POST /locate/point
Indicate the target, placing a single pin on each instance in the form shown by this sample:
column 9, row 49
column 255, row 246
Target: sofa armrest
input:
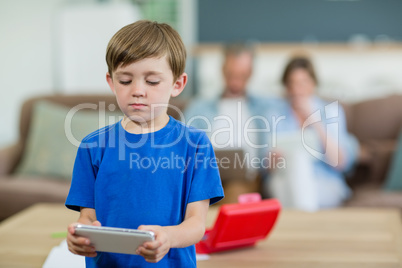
column 9, row 157
column 373, row 163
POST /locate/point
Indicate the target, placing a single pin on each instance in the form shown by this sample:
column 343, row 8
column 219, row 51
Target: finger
column 149, row 255
column 78, row 240
column 85, row 254
column 80, row 244
column 152, row 228
column 81, row 250
column 88, row 251
column 96, row 223
column 152, row 260
column 85, row 251
column 146, row 252
column 152, row 250
column 152, row 255
column 71, row 228
column 152, row 245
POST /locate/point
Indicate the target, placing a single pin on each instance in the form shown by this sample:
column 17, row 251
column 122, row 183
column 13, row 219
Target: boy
column 147, row 171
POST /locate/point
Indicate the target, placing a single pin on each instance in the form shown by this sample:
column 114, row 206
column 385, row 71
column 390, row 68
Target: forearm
column 78, row 244
column 87, row 216
column 192, row 229
column 187, row 233
column 332, row 152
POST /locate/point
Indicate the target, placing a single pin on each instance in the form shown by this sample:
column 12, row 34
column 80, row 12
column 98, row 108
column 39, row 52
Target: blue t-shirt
column 144, row 179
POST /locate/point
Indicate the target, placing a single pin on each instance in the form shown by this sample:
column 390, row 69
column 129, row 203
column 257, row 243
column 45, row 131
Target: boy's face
column 143, row 89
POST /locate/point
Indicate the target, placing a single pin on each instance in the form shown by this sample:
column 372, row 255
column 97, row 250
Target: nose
column 295, row 90
column 137, row 90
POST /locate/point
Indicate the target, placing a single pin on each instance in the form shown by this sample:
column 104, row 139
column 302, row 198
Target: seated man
column 230, row 120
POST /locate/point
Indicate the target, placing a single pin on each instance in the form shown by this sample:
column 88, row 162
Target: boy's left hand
column 155, row 250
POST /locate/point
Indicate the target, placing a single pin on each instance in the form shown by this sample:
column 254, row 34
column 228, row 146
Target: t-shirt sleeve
column 206, row 181
column 83, row 180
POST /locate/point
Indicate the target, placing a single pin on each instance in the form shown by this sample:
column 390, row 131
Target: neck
column 142, row 127
column 230, row 95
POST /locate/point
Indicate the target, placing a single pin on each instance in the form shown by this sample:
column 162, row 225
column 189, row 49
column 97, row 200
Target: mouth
column 138, row 105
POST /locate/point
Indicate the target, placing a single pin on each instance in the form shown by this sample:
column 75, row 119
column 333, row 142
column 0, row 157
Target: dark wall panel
column 298, row 20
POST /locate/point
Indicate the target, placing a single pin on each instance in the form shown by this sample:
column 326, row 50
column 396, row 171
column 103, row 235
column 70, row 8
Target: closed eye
column 153, row 83
column 125, row 82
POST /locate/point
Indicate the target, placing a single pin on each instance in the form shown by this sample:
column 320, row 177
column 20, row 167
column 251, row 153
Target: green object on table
column 59, row 235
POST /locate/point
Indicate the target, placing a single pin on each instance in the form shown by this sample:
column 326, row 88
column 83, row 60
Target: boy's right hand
column 78, row 244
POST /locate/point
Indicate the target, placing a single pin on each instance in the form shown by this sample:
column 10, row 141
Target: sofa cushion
column 23, row 191
column 377, row 118
column 381, row 154
column 52, row 141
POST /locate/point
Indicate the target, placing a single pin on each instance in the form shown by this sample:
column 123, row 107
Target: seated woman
column 310, row 147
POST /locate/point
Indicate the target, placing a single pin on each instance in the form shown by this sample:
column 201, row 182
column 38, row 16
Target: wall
column 82, row 32
column 27, row 66
column 345, row 72
column 35, row 59
column 355, row 44
column 25, row 53
column 299, row 20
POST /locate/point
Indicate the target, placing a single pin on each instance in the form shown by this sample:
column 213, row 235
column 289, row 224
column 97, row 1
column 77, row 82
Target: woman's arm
column 333, row 150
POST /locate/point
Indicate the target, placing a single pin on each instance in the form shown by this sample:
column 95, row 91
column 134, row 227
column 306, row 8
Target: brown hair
column 146, row 39
column 299, row 62
column 236, row 49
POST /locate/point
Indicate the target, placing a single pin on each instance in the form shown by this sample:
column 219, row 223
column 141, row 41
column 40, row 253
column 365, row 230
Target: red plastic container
column 240, row 225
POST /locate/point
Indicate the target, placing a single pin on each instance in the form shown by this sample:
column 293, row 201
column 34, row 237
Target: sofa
column 21, row 187
column 376, row 124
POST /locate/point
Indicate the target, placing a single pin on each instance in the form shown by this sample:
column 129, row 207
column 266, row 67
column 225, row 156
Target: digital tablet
column 117, row 240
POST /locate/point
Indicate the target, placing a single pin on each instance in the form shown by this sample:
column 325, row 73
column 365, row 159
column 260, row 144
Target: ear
column 109, row 80
column 179, row 85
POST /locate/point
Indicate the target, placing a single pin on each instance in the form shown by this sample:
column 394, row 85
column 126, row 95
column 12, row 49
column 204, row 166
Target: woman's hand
column 303, row 108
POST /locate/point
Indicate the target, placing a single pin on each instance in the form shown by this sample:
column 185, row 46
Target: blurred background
column 58, row 46
column 52, row 66
column 52, row 58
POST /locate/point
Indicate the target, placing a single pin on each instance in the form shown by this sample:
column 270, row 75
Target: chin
column 139, row 119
